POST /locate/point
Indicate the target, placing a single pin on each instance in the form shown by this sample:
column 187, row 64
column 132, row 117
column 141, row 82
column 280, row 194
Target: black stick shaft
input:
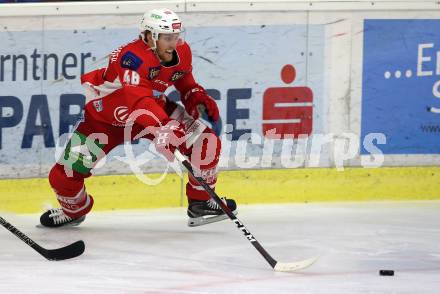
column 227, row 211
column 20, row 235
column 66, row 252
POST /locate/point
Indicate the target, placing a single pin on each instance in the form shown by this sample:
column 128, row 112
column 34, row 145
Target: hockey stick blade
column 294, row 266
column 71, row 251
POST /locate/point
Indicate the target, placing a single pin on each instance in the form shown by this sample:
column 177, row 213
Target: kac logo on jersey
column 121, row 114
column 153, row 72
column 177, row 75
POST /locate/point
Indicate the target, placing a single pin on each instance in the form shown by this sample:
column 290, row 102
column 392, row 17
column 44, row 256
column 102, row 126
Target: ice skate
column 202, row 212
column 55, row 217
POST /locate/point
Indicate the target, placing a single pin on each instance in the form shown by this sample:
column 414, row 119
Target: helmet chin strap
column 144, row 38
column 154, row 45
column 153, row 37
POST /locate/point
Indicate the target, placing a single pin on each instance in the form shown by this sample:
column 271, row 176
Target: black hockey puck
column 386, row 272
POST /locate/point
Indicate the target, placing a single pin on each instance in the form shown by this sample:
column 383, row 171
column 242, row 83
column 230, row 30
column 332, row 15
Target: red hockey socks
column 70, row 191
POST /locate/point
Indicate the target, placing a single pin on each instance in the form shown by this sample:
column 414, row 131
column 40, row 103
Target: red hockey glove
column 168, row 138
column 197, row 97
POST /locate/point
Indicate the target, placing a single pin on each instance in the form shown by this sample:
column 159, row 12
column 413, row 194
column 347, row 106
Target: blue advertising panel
column 401, row 84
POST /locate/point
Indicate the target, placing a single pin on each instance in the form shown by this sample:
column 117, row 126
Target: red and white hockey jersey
column 135, row 79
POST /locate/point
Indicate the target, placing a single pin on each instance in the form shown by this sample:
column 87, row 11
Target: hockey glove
column 169, row 137
column 196, row 100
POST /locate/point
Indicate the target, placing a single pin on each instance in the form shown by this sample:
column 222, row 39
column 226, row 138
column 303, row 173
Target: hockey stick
column 277, row 266
column 70, row 251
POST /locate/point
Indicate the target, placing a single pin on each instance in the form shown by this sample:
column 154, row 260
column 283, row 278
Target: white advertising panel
column 268, row 80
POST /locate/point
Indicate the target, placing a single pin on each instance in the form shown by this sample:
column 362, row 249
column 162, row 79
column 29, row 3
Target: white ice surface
column 155, row 252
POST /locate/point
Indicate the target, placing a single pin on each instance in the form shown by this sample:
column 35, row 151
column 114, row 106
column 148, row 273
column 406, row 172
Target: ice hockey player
column 136, row 77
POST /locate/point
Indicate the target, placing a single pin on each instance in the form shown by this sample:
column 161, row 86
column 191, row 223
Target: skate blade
column 200, row 221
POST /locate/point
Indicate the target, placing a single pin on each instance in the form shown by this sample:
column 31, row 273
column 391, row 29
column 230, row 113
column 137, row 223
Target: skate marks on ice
column 155, row 252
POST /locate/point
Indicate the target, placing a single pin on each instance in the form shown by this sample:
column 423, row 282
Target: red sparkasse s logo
column 287, row 111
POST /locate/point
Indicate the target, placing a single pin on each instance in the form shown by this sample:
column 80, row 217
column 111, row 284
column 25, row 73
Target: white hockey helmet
column 161, row 21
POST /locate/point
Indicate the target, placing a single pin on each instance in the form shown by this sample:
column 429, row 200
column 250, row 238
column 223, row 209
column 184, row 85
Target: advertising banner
column 401, row 84
column 258, row 75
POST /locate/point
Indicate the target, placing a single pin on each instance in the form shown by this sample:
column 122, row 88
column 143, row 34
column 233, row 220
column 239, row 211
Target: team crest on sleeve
column 98, row 105
column 153, row 72
column 131, row 61
column 177, row 75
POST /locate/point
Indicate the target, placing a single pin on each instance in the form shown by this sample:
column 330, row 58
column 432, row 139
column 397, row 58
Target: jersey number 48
column 131, row 77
